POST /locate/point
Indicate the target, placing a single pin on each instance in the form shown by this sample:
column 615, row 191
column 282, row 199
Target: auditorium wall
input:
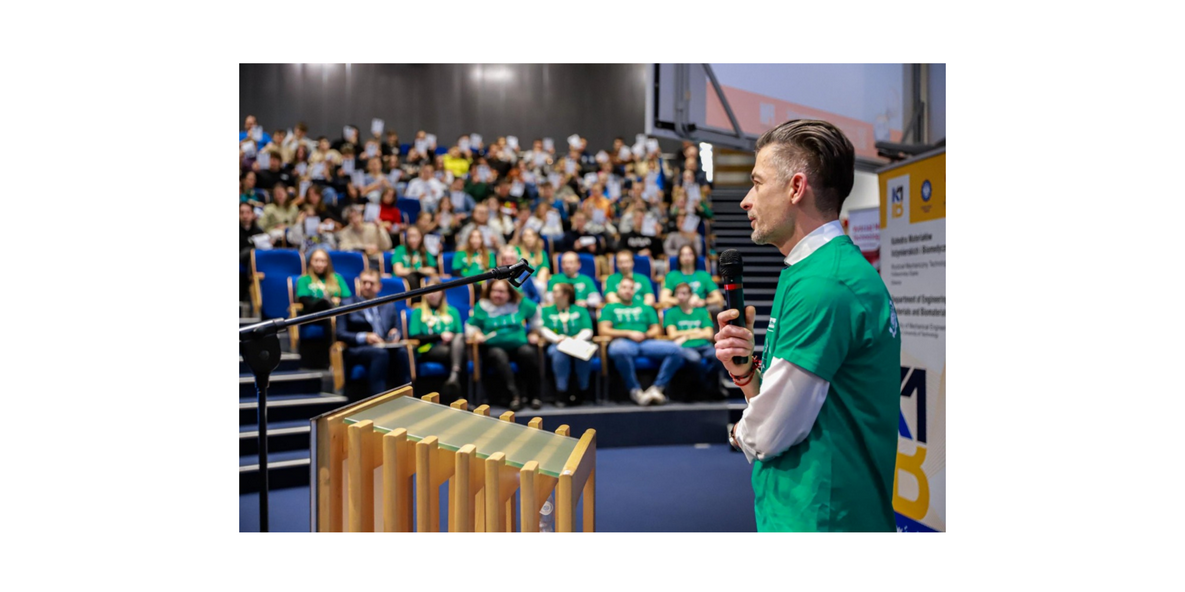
column 599, row 101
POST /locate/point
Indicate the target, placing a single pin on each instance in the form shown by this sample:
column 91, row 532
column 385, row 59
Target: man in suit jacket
column 366, row 331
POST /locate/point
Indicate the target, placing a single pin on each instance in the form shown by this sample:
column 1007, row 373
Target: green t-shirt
column 465, row 266
column 542, row 263
column 630, row 318
column 510, row 330
column 577, row 320
column 641, row 284
column 433, row 323
column 400, row 256
column 307, row 286
column 833, row 316
column 583, row 285
column 701, row 282
column 698, row 318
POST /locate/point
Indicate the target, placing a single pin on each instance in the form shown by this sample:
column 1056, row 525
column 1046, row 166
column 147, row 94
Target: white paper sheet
column 348, row 166
column 570, row 166
column 372, row 212
column 586, row 241
column 257, row 133
column 432, row 243
column 262, row 241
column 310, row 225
column 512, row 142
column 690, row 223
column 463, row 144
column 475, row 139
column 431, row 139
column 517, row 188
column 264, row 159
column 376, row 126
column 649, row 225
column 598, row 216
column 577, row 348
column 549, row 144
column 624, row 153
column 574, row 140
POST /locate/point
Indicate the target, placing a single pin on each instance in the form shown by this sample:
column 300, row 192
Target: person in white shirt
column 427, row 188
column 481, row 221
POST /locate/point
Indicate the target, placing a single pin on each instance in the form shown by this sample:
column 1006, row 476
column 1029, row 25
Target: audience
column 499, row 326
column 635, row 331
column 475, row 200
column 368, row 335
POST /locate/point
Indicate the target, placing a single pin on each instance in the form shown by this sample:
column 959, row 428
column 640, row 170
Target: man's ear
column 797, row 188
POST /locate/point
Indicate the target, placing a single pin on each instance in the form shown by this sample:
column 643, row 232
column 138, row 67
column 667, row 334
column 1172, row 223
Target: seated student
column 437, row 326
column 563, row 320
column 363, row 331
column 390, row 218
column 412, row 261
column 368, row 237
column 324, row 234
column 704, row 291
column 691, row 328
column 247, row 229
column 678, row 238
column 497, row 326
column 530, row 247
column 319, row 289
column 625, row 268
column 281, row 212
column 472, row 258
column 586, row 288
column 580, row 239
column 634, row 329
column 634, row 240
column 508, row 255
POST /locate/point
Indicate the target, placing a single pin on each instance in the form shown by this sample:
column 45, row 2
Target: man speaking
column 820, row 427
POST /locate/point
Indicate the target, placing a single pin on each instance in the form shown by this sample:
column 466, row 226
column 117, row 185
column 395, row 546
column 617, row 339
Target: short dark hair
column 818, row 149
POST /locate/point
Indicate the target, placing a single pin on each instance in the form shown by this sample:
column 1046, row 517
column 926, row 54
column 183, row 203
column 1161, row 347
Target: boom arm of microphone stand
column 511, row 273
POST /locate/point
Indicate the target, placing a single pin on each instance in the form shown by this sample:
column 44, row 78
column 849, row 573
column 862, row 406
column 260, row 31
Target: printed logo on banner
column 898, row 190
column 926, row 190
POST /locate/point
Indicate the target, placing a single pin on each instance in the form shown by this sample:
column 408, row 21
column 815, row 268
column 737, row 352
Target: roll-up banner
column 913, row 266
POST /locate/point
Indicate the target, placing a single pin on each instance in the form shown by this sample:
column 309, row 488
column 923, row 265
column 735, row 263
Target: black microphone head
column 731, row 266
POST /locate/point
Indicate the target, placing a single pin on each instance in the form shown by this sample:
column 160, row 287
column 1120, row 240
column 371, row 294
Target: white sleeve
column 551, row 336
column 783, row 412
column 584, row 335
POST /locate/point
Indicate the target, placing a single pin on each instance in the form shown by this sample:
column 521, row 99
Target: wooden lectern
column 370, row 457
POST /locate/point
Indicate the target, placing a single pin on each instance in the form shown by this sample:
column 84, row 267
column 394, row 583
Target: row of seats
column 270, row 269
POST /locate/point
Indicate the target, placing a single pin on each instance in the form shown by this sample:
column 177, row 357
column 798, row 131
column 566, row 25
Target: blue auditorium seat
column 270, row 270
column 348, row 264
column 408, row 208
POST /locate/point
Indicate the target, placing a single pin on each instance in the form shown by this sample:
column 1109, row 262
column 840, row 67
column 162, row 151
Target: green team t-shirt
column 583, row 285
column 698, row 318
column 833, row 316
column 540, row 263
column 510, row 330
column 701, row 282
column 465, row 265
column 307, row 286
column 432, row 323
column 641, row 284
column 569, row 323
column 415, row 262
column 630, row 318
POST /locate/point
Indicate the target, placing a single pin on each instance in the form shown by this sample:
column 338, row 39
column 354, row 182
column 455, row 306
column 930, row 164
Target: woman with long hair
column 500, row 327
column 319, row 289
column 390, row 217
column 281, row 213
column 437, row 326
column 530, row 247
column 472, row 257
column 412, row 261
column 564, row 320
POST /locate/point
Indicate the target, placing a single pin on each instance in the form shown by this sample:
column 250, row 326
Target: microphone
column 516, row 274
column 731, row 268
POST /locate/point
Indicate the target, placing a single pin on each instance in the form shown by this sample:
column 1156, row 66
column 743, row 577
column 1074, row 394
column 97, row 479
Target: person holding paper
column 463, row 202
column 427, row 188
column 249, row 131
column 683, row 237
column 586, row 288
column 691, row 328
column 281, row 213
column 412, row 261
column 374, row 182
column 635, row 332
column 317, row 222
column 564, row 321
column 704, row 291
column 499, row 326
column 359, row 235
column 299, row 137
column 580, row 239
column 643, row 293
column 273, row 170
column 367, row 334
column 480, row 221
column 472, row 258
column 447, row 221
column 547, row 220
column 437, row 326
column 247, row 191
column 635, row 240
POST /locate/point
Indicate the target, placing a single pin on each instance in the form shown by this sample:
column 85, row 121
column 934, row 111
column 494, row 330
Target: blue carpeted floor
column 650, row 489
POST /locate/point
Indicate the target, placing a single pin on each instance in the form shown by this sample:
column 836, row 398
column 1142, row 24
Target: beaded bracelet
column 749, row 376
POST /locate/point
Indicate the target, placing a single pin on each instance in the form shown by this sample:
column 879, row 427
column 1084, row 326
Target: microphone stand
column 259, row 345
